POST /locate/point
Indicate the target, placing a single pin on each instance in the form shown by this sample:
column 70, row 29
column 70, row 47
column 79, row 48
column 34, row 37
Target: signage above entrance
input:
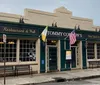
column 18, row 30
column 52, row 32
column 61, row 34
column 65, row 34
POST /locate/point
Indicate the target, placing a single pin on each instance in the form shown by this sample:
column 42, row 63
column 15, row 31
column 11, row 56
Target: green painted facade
column 42, row 57
column 34, row 31
column 65, row 64
column 68, row 62
column 84, row 55
column 62, row 52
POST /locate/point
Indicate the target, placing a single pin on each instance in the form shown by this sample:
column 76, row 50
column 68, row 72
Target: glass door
column 75, row 59
column 52, row 58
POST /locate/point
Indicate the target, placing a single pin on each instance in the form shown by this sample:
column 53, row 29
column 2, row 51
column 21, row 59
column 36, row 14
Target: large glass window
column 90, row 50
column 27, row 50
column 10, row 55
column 98, row 50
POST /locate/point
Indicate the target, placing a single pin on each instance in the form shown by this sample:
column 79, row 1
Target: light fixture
column 1, row 42
column 11, row 43
column 53, row 41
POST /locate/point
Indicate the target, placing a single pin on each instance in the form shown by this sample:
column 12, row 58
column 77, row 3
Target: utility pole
column 4, row 63
column 4, row 40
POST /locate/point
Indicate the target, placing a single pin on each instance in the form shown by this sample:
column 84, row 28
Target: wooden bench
column 8, row 70
column 22, row 69
column 98, row 64
column 16, row 69
column 94, row 64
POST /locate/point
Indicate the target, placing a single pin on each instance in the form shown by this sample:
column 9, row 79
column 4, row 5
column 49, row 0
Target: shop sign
column 18, row 30
column 61, row 34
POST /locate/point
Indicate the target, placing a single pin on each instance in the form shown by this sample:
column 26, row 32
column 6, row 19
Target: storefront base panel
column 65, row 69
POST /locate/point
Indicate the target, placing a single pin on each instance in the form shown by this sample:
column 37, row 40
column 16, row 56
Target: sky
column 80, row 8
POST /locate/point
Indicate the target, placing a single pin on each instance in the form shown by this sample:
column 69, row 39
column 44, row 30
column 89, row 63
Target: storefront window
column 90, row 50
column 10, row 55
column 27, row 50
column 98, row 50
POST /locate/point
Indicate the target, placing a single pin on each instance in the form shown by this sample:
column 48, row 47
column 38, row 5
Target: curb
column 58, row 79
column 83, row 78
column 38, row 83
column 46, row 82
column 71, row 79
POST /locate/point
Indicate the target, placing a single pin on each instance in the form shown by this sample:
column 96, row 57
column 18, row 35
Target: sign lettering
column 61, row 34
column 18, row 30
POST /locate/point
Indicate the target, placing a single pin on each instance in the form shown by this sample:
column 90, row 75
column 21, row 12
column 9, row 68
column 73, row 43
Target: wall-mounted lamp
column 1, row 42
column 7, row 43
column 96, row 29
column 99, row 30
column 21, row 20
column 53, row 41
column 11, row 43
column 54, row 24
column 77, row 27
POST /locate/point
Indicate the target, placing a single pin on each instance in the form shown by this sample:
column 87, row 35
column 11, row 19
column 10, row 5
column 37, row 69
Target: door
column 52, row 58
column 74, row 62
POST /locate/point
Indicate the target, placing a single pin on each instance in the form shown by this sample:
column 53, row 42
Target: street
column 95, row 81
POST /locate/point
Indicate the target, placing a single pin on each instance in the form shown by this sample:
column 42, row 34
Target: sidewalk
column 50, row 77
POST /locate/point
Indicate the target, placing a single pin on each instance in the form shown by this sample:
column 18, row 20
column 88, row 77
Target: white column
column 87, row 55
column 46, row 58
column 58, row 56
column 81, row 59
column 17, row 51
column 95, row 50
column 38, row 54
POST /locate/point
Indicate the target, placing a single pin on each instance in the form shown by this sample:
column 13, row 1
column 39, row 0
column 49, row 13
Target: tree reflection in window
column 27, row 50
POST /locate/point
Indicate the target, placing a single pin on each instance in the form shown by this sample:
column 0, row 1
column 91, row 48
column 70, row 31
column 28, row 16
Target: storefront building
column 25, row 46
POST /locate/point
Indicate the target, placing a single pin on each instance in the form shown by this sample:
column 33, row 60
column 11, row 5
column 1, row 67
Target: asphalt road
column 95, row 81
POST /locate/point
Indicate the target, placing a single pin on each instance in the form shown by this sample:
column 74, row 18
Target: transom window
column 27, row 50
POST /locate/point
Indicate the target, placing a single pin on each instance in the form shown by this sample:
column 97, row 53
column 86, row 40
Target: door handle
column 50, row 59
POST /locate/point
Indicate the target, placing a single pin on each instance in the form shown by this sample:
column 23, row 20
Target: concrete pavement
column 50, row 77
